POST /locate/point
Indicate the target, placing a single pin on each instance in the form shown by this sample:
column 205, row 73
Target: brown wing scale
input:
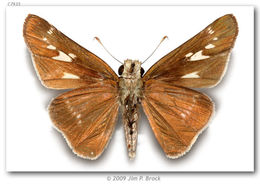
column 201, row 61
column 59, row 61
column 177, row 115
column 87, row 117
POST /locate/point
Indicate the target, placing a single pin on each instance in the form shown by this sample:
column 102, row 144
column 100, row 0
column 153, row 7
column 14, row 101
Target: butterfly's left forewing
column 202, row 60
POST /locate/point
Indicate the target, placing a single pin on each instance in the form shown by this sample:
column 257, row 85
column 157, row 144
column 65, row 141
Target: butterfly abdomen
column 130, row 84
column 130, row 93
column 130, row 117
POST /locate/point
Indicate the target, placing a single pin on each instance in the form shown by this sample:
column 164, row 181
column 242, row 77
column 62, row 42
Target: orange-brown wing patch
column 201, row 61
column 177, row 115
column 60, row 62
column 86, row 117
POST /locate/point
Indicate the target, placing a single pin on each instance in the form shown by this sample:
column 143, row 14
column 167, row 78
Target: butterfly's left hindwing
column 177, row 115
column 60, row 62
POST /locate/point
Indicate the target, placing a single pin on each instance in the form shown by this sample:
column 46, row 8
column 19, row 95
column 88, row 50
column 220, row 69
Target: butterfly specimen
column 86, row 115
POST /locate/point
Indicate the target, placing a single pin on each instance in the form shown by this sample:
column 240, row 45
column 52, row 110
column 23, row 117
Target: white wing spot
column 92, row 153
column 69, row 76
column 189, row 54
column 62, row 57
column 79, row 122
column 78, row 116
column 198, row 56
column 51, row 47
column 211, row 31
column 215, row 38
column 50, row 31
column 191, row 75
column 72, row 55
column 183, row 115
column 210, row 46
column 44, row 39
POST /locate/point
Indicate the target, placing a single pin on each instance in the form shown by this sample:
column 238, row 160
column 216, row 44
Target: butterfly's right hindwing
column 87, row 117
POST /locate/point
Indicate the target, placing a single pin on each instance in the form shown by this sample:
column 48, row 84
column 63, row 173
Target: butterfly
column 87, row 114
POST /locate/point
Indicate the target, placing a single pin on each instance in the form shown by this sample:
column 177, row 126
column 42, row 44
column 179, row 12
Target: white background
column 129, row 32
column 167, row 179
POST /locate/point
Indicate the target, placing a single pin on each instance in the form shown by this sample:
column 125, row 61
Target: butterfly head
column 131, row 69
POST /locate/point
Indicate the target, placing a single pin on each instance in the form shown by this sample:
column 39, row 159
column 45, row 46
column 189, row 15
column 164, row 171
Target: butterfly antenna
column 165, row 37
column 107, row 50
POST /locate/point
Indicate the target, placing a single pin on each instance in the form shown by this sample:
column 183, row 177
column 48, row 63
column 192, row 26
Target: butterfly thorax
column 130, row 84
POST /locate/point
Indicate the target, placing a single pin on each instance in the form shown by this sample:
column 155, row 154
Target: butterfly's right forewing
column 60, row 62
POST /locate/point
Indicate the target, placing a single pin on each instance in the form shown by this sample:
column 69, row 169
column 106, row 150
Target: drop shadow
column 211, row 92
column 256, row 93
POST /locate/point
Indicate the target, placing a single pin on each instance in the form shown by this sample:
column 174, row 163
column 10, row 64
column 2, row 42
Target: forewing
column 177, row 115
column 86, row 117
column 59, row 61
column 202, row 60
